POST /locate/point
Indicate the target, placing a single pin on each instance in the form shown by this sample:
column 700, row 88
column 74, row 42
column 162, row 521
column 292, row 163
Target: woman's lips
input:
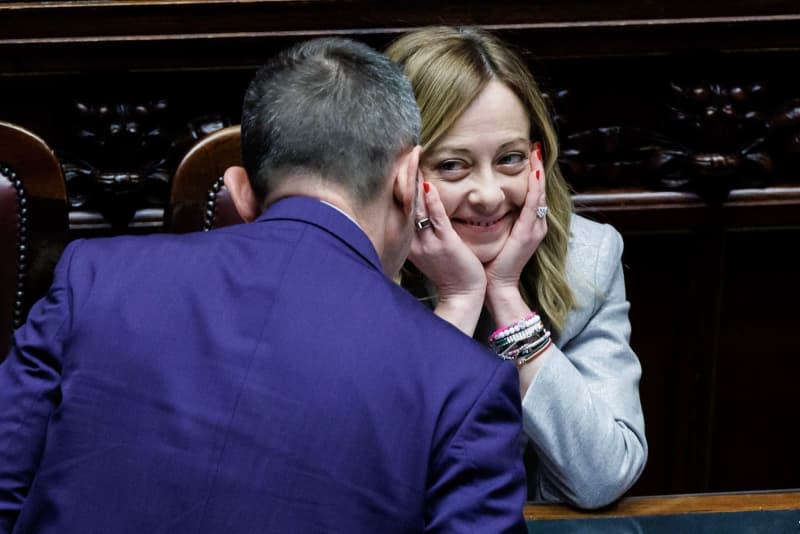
column 481, row 226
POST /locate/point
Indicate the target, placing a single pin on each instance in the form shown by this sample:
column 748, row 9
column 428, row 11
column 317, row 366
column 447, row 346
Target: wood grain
column 674, row 504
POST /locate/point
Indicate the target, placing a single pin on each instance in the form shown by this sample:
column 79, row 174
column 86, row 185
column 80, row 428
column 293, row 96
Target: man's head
column 334, row 119
column 332, row 109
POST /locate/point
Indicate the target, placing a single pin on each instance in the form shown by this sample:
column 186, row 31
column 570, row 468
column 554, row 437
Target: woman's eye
column 513, row 163
column 512, row 159
column 451, row 165
column 448, row 169
column 451, row 169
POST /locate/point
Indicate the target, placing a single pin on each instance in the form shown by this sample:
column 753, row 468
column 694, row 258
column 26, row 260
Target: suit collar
column 328, row 218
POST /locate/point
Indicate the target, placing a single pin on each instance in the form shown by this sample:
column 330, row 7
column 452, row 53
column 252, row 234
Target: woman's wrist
column 505, row 304
column 462, row 310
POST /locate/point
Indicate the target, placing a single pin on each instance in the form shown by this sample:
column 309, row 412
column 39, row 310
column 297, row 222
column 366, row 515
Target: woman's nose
column 486, row 192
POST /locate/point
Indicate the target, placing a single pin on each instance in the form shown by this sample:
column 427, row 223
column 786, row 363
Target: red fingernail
column 538, row 174
column 426, row 186
column 538, row 154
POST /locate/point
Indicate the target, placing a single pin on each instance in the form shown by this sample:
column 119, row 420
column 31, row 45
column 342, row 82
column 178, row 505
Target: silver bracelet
column 523, row 360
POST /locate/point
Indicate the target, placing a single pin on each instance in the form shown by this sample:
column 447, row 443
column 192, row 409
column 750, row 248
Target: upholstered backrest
column 33, row 223
column 198, row 198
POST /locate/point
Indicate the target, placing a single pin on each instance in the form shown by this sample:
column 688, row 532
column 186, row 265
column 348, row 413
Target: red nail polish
column 538, row 174
column 538, row 154
column 426, row 186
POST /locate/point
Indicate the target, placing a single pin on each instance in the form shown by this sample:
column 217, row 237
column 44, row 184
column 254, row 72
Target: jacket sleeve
column 582, row 412
column 30, row 392
column 478, row 482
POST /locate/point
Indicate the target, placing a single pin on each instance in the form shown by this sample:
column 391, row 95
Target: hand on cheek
column 440, row 254
column 529, row 230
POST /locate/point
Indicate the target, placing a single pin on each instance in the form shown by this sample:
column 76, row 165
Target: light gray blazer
column 582, row 412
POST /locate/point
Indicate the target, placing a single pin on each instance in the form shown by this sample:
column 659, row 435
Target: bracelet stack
column 522, row 341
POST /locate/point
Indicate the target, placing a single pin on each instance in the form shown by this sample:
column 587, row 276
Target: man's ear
column 244, row 198
column 405, row 179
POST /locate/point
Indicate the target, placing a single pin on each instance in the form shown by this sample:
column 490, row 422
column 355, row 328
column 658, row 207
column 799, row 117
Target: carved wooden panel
column 119, row 157
column 708, row 138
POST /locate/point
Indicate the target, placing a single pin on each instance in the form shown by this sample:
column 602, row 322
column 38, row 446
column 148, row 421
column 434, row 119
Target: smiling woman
column 481, row 169
column 507, row 260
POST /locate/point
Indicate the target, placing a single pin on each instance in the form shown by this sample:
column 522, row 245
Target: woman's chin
column 487, row 250
column 486, row 253
column 486, row 245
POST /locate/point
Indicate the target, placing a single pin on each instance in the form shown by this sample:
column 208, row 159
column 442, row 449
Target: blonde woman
column 502, row 257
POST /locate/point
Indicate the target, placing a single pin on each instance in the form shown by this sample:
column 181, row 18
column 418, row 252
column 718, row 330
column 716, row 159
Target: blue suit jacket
column 260, row 378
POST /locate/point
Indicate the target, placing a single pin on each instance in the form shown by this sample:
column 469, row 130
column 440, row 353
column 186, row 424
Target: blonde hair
column 448, row 68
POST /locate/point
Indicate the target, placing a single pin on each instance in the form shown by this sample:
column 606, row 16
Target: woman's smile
column 482, row 226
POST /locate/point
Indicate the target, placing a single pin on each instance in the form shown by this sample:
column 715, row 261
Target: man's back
column 263, row 378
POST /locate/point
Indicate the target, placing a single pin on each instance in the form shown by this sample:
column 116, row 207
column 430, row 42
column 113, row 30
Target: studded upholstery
column 198, row 198
column 33, row 223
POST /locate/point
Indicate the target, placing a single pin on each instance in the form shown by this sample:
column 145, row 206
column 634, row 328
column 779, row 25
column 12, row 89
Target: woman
column 501, row 250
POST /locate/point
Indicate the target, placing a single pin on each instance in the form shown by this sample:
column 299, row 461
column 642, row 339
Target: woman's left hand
column 503, row 272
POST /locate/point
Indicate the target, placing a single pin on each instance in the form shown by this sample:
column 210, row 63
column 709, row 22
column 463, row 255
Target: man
column 265, row 377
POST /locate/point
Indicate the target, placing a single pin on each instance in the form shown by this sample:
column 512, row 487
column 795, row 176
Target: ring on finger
column 423, row 223
column 541, row 212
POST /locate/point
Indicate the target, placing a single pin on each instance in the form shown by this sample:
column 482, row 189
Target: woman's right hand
column 440, row 254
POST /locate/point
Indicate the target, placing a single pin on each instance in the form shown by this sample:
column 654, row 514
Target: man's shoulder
column 158, row 248
column 128, row 263
column 103, row 246
column 441, row 343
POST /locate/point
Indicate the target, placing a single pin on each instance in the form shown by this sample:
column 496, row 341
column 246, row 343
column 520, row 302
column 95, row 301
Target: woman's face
column 481, row 167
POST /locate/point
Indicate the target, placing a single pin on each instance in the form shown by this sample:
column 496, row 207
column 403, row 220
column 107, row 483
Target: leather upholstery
column 33, row 223
column 198, row 199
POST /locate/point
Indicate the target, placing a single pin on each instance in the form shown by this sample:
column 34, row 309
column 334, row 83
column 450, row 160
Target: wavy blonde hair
column 448, row 68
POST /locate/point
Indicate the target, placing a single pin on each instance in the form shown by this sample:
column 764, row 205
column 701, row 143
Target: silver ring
column 423, row 223
column 541, row 212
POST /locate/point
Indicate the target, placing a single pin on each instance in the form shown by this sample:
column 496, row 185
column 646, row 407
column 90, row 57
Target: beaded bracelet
column 503, row 343
column 522, row 341
column 530, row 319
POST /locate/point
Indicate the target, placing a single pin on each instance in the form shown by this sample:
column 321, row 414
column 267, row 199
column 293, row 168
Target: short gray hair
column 331, row 107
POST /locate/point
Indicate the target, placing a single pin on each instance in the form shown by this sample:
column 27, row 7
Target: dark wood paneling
column 713, row 292
column 754, row 439
column 59, row 36
column 660, row 270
